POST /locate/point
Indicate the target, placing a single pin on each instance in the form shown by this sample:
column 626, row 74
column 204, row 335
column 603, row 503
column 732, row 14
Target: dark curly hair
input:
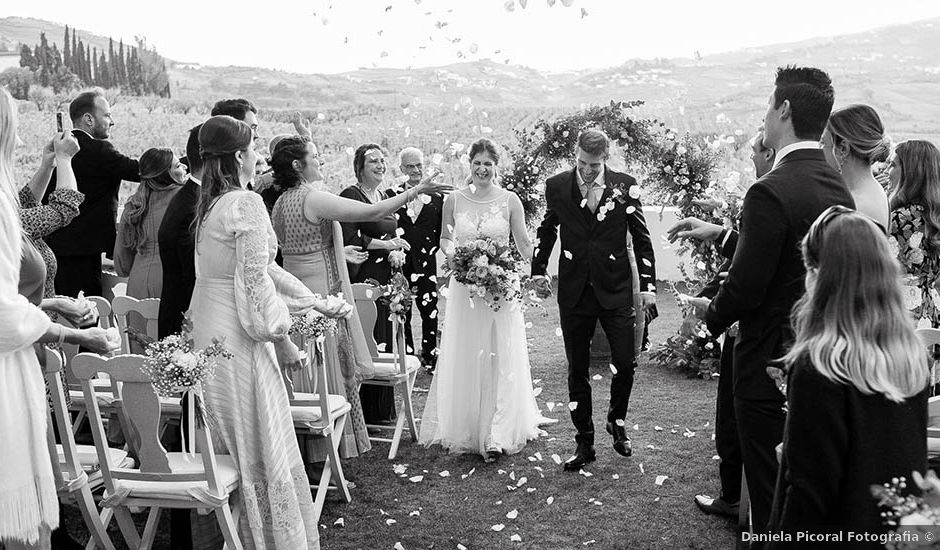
column 285, row 153
column 809, row 91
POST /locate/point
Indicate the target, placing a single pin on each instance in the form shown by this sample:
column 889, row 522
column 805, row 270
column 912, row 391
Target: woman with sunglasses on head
column 857, row 383
column 303, row 220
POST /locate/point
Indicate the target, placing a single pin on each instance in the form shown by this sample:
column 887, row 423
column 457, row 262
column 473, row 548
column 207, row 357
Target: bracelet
column 61, row 335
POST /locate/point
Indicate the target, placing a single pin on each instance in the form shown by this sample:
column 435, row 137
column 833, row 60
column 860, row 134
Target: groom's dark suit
column 765, row 280
column 595, row 282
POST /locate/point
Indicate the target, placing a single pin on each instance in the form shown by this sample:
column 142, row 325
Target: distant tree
column 41, row 96
column 27, row 59
column 104, row 72
column 74, row 66
column 120, row 69
column 42, row 53
column 94, row 67
column 67, row 49
column 89, row 77
column 63, row 80
column 79, row 68
column 18, row 80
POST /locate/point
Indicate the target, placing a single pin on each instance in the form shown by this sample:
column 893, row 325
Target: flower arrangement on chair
column 314, row 326
column 914, row 518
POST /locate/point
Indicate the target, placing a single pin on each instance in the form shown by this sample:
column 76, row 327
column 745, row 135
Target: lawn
column 426, row 498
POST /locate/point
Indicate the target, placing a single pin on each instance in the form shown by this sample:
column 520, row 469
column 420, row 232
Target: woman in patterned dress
column 241, row 295
column 914, row 176
column 303, row 219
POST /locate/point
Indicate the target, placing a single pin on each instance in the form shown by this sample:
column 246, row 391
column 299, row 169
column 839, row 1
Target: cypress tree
column 67, row 49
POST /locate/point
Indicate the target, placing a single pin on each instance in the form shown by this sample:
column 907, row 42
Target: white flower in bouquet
column 396, row 256
column 915, row 518
column 185, row 360
column 481, row 261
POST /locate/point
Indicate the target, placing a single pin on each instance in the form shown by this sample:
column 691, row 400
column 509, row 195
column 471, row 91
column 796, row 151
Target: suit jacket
column 423, row 234
column 595, row 251
column 177, row 256
column 361, row 233
column 726, row 249
column 99, row 170
column 766, row 276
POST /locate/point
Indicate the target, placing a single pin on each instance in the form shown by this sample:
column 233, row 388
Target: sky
column 330, row 36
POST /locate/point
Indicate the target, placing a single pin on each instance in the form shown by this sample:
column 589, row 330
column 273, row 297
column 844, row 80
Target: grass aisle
column 619, row 505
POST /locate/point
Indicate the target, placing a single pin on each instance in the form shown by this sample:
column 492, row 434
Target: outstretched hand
column 694, row 228
column 432, row 185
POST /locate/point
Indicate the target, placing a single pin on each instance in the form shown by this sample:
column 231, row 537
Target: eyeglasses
column 417, row 166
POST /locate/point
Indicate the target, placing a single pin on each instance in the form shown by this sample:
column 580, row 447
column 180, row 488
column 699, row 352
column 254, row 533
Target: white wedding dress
column 481, row 395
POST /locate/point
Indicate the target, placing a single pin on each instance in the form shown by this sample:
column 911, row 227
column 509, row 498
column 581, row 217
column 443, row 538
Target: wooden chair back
column 366, row 296
column 141, row 422
column 148, row 308
column 53, row 362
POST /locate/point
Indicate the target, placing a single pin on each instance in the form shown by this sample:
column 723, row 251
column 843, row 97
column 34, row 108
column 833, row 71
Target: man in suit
column 594, row 207
column 99, row 169
column 420, row 221
column 727, row 442
column 177, row 243
column 766, row 275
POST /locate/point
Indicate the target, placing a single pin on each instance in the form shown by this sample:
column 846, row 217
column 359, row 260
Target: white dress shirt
column 794, row 147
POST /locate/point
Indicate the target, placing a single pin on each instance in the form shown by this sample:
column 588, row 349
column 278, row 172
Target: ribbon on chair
column 195, row 416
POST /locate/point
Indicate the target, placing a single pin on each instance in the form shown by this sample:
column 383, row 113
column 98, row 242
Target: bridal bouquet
column 915, row 518
column 488, row 270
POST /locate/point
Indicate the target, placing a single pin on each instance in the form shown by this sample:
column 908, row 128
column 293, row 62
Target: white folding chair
column 125, row 307
column 202, row 481
column 321, row 418
column 397, row 369
column 76, row 467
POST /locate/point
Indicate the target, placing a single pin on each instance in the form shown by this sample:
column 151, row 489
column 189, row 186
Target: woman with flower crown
column 481, row 398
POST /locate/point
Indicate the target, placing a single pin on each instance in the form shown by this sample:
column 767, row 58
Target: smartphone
column 58, row 122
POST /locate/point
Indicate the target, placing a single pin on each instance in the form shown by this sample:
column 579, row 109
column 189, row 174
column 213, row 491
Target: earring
column 841, row 161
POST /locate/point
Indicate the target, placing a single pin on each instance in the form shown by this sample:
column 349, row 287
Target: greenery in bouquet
column 488, row 270
column 397, row 295
column 175, row 365
column 692, row 349
column 313, row 325
column 914, row 511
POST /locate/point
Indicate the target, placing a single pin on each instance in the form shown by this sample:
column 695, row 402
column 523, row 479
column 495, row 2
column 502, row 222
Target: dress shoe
column 583, row 455
column 621, row 442
column 716, row 506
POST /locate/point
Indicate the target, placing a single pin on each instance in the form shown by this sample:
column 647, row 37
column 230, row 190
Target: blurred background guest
column 857, row 385
column 420, row 221
column 378, row 238
column 853, row 141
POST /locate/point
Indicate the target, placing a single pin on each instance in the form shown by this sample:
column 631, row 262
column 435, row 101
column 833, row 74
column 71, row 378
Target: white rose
column 916, row 239
column 634, row 191
column 186, row 361
column 481, row 261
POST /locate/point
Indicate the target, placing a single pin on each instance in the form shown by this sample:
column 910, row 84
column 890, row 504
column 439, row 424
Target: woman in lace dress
column 241, row 295
column 481, row 399
column 914, row 176
column 303, row 220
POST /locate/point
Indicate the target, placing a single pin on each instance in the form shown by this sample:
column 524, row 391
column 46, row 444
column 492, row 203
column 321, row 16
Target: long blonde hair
column 7, row 144
column 852, row 324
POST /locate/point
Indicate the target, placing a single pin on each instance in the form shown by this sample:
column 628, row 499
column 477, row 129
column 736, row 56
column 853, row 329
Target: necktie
column 591, row 197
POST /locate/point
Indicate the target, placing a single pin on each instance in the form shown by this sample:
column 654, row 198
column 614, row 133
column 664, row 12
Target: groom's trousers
column 577, row 328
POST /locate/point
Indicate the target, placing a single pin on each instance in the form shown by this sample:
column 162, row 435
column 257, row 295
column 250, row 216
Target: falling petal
column 549, row 500
column 596, row 377
column 390, row 522
column 340, row 522
column 556, row 459
column 558, row 331
column 583, row 13
column 445, row 473
column 572, row 405
column 613, row 369
column 416, row 479
column 661, row 479
column 498, row 527
column 512, row 514
column 516, row 538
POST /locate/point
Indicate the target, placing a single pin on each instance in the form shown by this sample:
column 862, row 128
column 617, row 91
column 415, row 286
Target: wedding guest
column 857, row 385
column 377, row 238
column 853, row 141
column 766, row 274
column 420, row 220
column 175, row 236
column 243, row 297
column 99, row 169
column 914, row 174
column 727, row 443
column 303, row 220
column 29, row 508
column 137, row 250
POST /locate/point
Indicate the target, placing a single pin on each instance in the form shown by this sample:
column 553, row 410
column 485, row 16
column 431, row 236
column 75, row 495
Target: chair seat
column 180, row 463
column 105, row 399
column 385, row 367
column 312, row 413
column 88, row 457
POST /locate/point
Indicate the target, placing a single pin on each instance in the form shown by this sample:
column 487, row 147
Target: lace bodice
column 474, row 219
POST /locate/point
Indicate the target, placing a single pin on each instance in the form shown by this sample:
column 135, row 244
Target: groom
column 595, row 207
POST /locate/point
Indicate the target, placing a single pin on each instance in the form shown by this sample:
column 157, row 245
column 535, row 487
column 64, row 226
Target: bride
column 481, row 398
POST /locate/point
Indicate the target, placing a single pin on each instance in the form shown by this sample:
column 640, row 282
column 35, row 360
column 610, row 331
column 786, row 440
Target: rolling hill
column 896, row 69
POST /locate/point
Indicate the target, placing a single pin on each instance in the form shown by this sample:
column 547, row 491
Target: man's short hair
column 809, row 91
column 84, row 102
column 406, row 150
column 594, row 142
column 236, row 108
